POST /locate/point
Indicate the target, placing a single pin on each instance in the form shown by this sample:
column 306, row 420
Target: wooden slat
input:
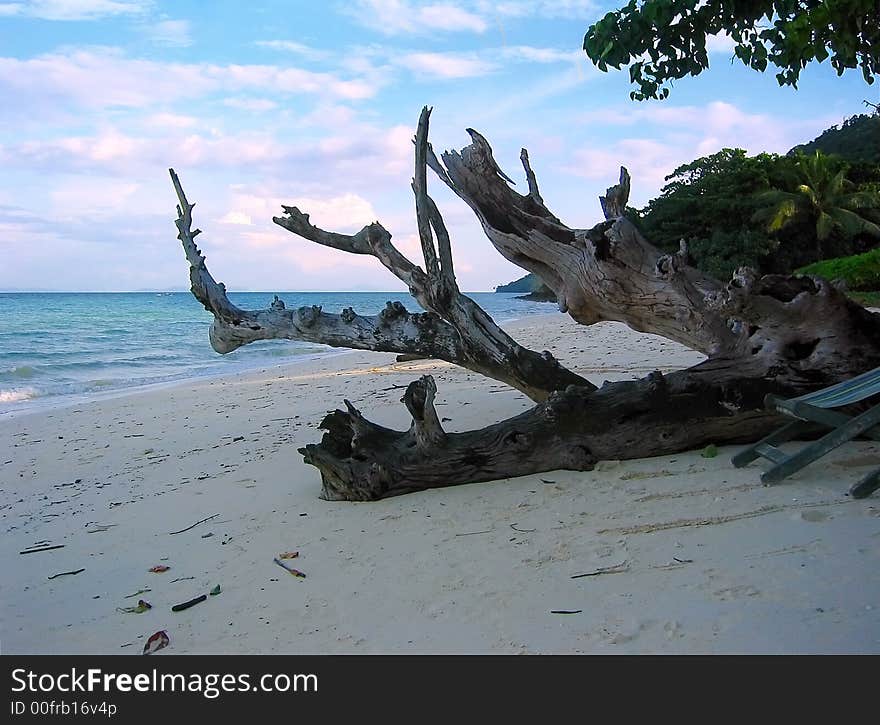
column 819, row 448
column 850, row 391
column 771, row 453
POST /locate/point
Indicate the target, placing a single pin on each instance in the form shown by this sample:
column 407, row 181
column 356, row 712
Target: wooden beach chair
column 815, row 408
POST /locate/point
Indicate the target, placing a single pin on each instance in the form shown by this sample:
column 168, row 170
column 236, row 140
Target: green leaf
column 710, row 451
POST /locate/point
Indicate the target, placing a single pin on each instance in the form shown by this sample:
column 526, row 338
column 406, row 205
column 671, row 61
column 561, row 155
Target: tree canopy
column 710, row 203
column 821, row 194
column 856, row 140
column 772, row 213
column 664, row 40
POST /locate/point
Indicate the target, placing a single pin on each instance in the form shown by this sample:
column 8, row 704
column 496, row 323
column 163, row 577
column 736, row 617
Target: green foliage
column 710, row 451
column 865, row 299
column 772, row 213
column 786, row 34
column 859, row 271
column 710, row 203
column 819, row 194
column 857, row 141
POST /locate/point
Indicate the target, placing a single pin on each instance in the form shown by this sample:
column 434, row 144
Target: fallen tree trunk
column 574, row 429
column 761, row 335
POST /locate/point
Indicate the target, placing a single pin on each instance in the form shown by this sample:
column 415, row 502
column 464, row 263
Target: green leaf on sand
column 710, row 451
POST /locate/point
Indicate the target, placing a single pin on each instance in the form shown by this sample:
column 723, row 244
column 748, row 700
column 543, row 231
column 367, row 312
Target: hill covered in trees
column 856, row 141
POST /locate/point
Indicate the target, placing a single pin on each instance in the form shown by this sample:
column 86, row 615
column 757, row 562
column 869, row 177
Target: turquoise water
column 58, row 347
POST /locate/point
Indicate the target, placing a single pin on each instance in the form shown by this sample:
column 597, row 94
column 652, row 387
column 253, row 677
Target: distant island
column 533, row 287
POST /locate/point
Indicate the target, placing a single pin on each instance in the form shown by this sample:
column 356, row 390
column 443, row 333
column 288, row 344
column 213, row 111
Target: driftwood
column 775, row 334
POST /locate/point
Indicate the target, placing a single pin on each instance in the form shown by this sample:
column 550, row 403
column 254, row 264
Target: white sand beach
column 687, row 554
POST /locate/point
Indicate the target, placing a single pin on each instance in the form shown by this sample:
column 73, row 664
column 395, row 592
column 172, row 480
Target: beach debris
column 295, row 572
column 99, row 528
column 181, row 579
column 137, row 593
column 472, row 533
column 522, row 531
column 682, row 561
column 142, row 606
column 616, row 569
column 208, row 535
column 566, row 611
column 289, row 555
column 215, row 591
column 201, row 521
column 159, row 568
column 710, row 451
column 66, row 573
column 42, row 548
column 547, row 480
column 156, row 642
column 190, row 603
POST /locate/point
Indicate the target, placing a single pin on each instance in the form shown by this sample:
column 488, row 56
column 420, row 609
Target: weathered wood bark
column 773, row 334
column 718, row 401
column 362, row 461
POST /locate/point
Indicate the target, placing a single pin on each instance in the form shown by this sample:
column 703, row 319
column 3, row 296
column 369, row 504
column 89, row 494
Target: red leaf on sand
column 157, row 642
column 159, row 568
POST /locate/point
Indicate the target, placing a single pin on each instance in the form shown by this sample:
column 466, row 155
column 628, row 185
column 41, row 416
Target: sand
column 688, row 554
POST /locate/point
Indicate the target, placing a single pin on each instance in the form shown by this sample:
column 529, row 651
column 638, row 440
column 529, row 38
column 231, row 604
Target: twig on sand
column 190, row 603
column 471, row 533
column 522, row 531
column 295, row 572
column 65, row 573
column 616, row 569
column 566, row 611
column 171, row 533
column 42, row 548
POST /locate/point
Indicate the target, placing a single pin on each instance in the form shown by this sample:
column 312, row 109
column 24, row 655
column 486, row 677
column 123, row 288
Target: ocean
column 58, row 348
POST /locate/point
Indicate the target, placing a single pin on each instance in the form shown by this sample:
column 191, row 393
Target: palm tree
column 824, row 197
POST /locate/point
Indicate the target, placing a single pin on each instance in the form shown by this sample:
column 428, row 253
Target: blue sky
column 314, row 104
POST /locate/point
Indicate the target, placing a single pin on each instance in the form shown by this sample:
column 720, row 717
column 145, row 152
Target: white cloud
column 395, row 17
column 571, row 9
column 75, row 9
column 678, row 134
column 172, row 33
column 291, row 46
column 542, row 55
column 99, row 78
column 93, row 196
column 445, row 65
column 721, row 43
column 250, row 104
column 171, row 120
column 236, row 217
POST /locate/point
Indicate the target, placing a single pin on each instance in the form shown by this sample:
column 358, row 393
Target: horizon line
column 167, row 291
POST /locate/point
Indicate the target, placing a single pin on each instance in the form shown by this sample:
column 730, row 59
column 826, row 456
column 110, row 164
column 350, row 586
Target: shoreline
column 43, row 403
column 699, row 557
